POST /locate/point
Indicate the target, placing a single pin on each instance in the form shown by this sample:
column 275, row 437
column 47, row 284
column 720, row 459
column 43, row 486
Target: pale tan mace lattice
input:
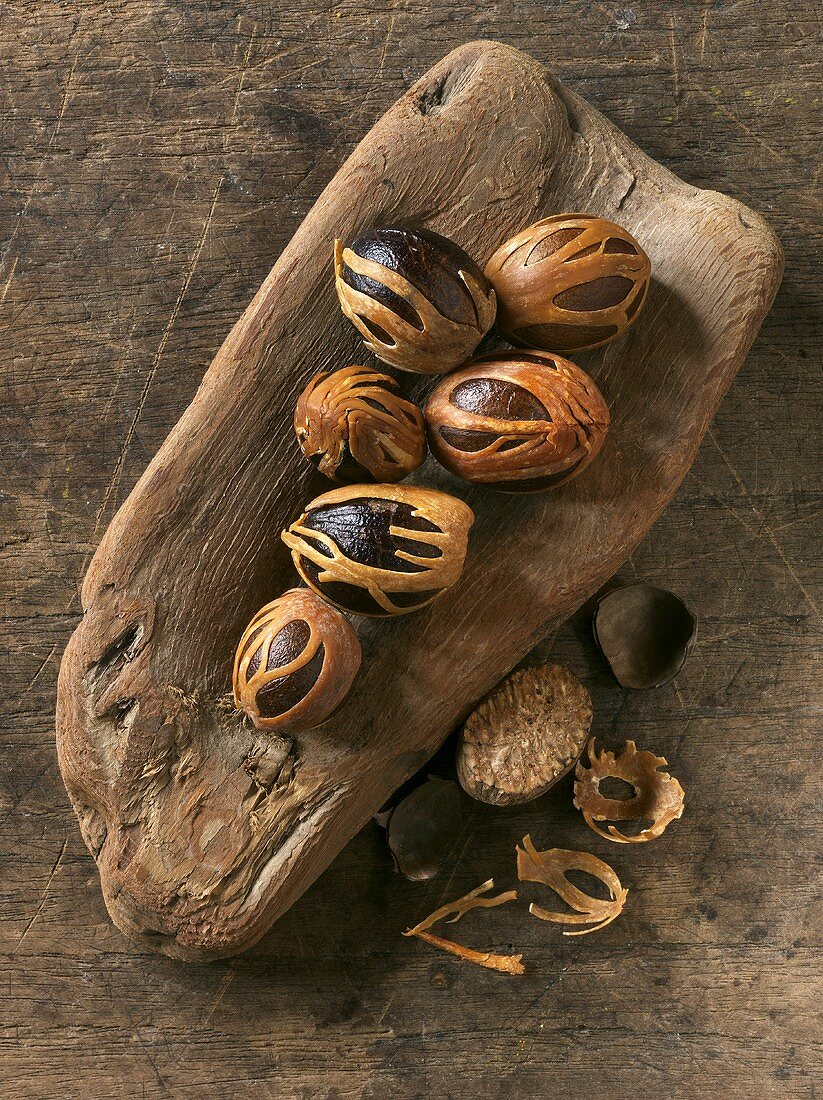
column 584, row 277
column 657, row 795
column 453, row 911
column 438, row 346
column 452, row 517
column 550, row 868
column 362, row 408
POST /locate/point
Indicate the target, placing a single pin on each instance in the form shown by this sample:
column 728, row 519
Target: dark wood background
column 155, row 158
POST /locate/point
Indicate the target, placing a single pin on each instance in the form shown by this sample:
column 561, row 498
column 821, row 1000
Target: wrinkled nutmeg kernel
column 568, row 283
column 380, row 549
column 524, row 737
column 518, row 422
column 354, row 426
column 645, row 633
column 295, row 663
column 420, row 302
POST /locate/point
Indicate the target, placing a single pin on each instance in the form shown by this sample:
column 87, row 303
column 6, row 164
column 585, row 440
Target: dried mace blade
column 657, row 795
column 524, row 737
column 645, row 634
column 422, row 828
column 453, row 911
column 550, row 868
column 354, row 426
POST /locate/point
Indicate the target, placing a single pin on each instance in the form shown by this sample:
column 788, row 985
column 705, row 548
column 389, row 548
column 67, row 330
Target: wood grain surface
column 204, row 830
column 157, row 159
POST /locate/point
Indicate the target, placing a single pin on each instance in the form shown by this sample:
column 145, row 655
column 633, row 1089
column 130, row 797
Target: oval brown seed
column 295, row 663
column 568, row 282
column 518, row 422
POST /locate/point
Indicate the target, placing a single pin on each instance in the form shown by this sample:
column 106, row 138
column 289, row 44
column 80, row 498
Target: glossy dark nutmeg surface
column 568, row 282
column 420, row 302
column 354, row 426
column 380, row 549
column 295, row 664
column 518, row 422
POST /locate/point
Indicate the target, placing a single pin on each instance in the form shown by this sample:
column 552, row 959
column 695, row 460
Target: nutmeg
column 568, row 282
column 354, row 425
column 295, row 663
column 518, row 421
column 420, row 302
column 380, row 549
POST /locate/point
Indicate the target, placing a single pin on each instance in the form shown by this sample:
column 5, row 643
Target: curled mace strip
column 551, row 867
column 533, row 438
column 657, row 795
column 436, row 573
column 440, row 336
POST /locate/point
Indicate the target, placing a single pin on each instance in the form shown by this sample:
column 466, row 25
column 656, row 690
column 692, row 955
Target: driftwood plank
column 204, row 831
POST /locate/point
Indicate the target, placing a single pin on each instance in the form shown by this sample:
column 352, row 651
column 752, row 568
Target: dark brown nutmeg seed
column 354, row 425
column 518, row 422
column 420, row 302
column 568, row 282
column 422, row 828
column 295, row 663
column 380, row 549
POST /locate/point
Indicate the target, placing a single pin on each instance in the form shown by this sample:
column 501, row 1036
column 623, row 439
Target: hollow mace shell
column 645, row 633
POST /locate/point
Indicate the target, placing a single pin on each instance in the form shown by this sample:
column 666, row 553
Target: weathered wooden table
column 156, row 157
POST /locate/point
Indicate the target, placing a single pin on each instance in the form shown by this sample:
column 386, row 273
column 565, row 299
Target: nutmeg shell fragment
column 354, row 426
column 380, row 549
column 422, row 828
column 517, row 422
column 524, row 737
column 569, row 282
column 645, row 634
column 420, row 302
column 295, row 663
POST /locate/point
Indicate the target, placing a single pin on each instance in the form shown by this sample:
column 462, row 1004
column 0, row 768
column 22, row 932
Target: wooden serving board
column 204, row 830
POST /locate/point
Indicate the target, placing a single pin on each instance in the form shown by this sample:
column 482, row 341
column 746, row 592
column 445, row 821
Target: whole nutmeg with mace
column 354, row 426
column 518, row 422
column 380, row 549
column 295, row 663
column 420, row 302
column 568, row 282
